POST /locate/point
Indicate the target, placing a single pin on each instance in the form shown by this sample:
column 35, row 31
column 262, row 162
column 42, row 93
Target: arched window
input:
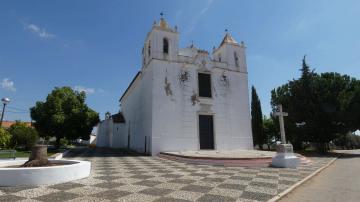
column 219, row 57
column 165, row 45
column 236, row 59
column 149, row 49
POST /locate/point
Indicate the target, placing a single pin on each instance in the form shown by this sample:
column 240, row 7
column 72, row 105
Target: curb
column 59, row 156
column 290, row 189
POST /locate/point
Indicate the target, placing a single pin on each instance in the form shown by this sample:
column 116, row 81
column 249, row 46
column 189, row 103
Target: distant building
column 7, row 124
column 183, row 99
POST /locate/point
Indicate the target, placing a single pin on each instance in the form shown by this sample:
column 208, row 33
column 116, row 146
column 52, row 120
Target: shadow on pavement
column 347, row 156
column 99, row 152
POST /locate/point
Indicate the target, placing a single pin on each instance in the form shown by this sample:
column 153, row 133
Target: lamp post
column 5, row 101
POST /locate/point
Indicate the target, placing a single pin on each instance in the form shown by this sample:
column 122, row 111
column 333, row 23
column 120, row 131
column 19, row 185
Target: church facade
column 183, row 98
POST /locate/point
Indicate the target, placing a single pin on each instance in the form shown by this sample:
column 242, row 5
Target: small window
column 219, row 58
column 236, row 59
column 204, row 85
column 149, row 49
column 165, row 45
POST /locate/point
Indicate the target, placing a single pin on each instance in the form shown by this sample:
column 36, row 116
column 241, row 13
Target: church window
column 236, row 59
column 219, row 58
column 165, row 45
column 149, row 49
column 204, row 81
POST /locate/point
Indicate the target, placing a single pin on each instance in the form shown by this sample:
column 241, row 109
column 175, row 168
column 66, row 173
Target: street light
column 5, row 101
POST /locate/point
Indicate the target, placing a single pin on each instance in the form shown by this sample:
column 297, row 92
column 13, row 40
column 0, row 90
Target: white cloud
column 88, row 91
column 41, row 32
column 7, row 84
column 196, row 19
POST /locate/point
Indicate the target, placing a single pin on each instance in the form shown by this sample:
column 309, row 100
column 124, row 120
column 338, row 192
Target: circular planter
column 29, row 176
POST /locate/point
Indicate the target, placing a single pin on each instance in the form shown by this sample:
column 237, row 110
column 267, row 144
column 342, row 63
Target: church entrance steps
column 228, row 159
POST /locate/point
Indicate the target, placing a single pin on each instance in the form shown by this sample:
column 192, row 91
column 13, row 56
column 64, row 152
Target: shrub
column 5, row 138
column 64, row 142
column 23, row 135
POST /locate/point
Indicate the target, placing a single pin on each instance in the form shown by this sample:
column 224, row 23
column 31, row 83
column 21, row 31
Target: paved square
column 116, row 176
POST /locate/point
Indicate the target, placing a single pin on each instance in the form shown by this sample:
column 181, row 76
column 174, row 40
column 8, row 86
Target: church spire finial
column 163, row 23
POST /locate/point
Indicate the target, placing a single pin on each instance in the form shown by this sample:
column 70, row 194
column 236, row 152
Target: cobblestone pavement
column 116, row 176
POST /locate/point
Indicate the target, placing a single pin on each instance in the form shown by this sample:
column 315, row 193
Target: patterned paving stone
column 217, row 198
column 9, row 190
column 107, row 177
column 57, row 197
column 173, row 186
column 182, row 181
column 156, row 191
column 66, row 186
column 213, row 179
column 11, row 198
column 119, row 177
column 256, row 196
column 144, row 177
column 171, row 176
column 148, row 183
column 168, row 199
column 137, row 197
column 196, row 188
column 111, row 194
column 226, row 192
column 109, row 185
column 232, row 186
column 263, row 184
column 186, row 195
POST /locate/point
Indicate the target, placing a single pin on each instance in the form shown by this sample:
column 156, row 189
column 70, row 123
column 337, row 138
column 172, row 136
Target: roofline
column 131, row 83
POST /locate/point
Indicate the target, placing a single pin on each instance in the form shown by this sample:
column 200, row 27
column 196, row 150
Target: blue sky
column 96, row 45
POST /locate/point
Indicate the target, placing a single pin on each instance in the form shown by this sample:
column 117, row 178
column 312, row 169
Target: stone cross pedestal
column 285, row 157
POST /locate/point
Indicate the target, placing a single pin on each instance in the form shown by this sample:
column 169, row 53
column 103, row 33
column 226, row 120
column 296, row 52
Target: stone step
column 234, row 162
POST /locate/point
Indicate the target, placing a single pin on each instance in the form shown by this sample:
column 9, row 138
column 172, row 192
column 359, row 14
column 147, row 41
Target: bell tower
column 232, row 53
column 162, row 42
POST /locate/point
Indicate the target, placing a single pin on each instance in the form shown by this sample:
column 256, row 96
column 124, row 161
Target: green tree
column 64, row 114
column 256, row 119
column 320, row 107
column 271, row 131
column 23, row 136
column 5, row 138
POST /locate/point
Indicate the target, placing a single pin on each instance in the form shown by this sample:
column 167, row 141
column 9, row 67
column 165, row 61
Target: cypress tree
column 256, row 119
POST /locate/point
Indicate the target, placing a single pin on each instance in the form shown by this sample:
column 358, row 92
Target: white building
column 183, row 99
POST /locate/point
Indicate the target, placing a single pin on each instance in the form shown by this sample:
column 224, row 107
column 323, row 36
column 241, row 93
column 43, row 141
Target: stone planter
column 69, row 170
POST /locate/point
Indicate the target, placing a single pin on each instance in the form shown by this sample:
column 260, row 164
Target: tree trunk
column 38, row 157
column 57, row 143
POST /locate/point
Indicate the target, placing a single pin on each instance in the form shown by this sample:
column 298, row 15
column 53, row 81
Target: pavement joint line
column 296, row 185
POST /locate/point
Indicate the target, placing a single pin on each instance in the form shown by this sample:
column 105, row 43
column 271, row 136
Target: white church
column 183, row 99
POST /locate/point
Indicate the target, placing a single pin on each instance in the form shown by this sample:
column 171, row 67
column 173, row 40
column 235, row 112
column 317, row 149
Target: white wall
column 175, row 118
column 136, row 108
column 119, row 137
column 104, row 132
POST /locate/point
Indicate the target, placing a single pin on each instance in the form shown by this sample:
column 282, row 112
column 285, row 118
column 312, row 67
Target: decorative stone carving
column 194, row 98
column 184, row 77
column 224, row 80
column 167, row 87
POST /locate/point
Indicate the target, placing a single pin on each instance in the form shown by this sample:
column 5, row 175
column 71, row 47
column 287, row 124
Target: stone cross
column 281, row 115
